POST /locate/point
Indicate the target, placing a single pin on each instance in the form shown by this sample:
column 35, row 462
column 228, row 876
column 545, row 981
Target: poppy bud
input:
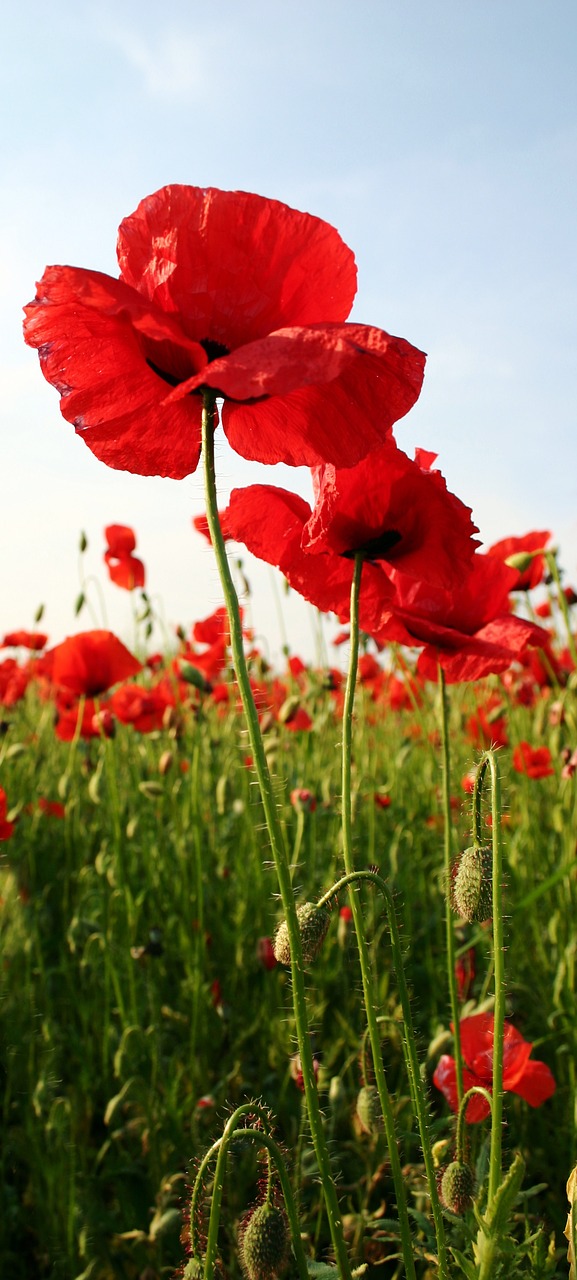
column 457, row 1187
column 473, row 885
column 264, row 1243
column 313, row 923
column 368, row 1110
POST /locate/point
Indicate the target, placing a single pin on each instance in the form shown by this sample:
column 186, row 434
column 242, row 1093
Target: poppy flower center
column 375, row 548
column 173, row 364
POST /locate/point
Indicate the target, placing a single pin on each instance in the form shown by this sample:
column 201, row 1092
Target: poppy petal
column 237, row 265
column 92, row 340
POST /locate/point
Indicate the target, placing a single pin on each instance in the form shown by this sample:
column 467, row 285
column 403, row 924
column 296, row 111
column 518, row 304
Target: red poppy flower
column 90, row 663
column 534, row 761
column 14, row 681
column 397, row 512
column 469, row 630
column 125, row 569
column 34, row 640
column 519, row 553
column 227, row 290
column 143, row 708
column 53, row 808
column 6, row 828
column 533, row 1081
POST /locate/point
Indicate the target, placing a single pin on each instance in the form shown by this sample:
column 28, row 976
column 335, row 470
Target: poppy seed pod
column 457, row 1187
column 313, row 923
column 369, row 1109
column 264, row 1243
column 473, row 884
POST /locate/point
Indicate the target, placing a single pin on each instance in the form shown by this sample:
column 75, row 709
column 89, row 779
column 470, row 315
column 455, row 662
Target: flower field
column 142, row 1001
column 288, row 955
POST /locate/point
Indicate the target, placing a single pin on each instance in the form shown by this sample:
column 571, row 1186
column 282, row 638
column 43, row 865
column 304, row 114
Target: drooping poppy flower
column 469, row 631
column 396, row 512
column 535, row 762
column 124, row 568
column 519, row 553
column 33, row 640
column 229, row 291
column 533, row 1081
column 90, row 663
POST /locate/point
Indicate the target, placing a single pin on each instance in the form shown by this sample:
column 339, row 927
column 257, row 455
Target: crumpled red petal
column 93, row 335
column 236, row 265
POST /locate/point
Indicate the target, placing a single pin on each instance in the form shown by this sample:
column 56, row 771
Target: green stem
column 369, row 994
column 562, row 602
column 276, row 839
column 449, row 931
column 460, row 1144
column 409, row 1047
column 234, row 1129
column 489, row 761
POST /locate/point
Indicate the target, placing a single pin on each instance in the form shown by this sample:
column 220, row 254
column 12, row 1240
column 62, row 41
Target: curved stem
column 276, row 838
column 449, row 931
column 461, row 1118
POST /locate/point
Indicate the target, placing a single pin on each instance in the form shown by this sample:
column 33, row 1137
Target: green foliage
column 136, row 1008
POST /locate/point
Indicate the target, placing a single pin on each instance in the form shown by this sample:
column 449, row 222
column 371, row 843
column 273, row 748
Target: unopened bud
column 264, row 1243
column 473, row 885
column 369, row 1112
column 313, row 923
column 457, row 1187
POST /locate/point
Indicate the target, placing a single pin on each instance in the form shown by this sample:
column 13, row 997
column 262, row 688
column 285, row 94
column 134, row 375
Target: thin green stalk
column 449, row 931
column 489, row 760
column 409, row 1047
column 369, row 994
column 233, row 1130
column 562, row 602
column 276, row 839
column 460, row 1143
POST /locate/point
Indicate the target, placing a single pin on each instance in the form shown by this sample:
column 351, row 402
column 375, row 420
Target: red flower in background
column 227, row 290
column 534, row 761
column 125, row 569
column 6, row 828
column 34, row 640
column 397, row 512
column 533, row 1081
column 90, row 663
column 469, row 631
column 518, row 553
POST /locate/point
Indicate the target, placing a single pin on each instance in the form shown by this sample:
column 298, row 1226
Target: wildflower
column 296, row 1070
column 125, row 569
column 535, row 762
column 90, row 662
column 522, row 554
column 265, row 953
column 533, row 1081
column 264, row 1242
column 457, row 1187
column 470, row 631
column 6, row 828
column 33, row 640
column 233, row 292
column 303, row 800
column 391, row 509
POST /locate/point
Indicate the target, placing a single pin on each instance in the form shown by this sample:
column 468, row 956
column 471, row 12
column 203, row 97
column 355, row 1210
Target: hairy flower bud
column 264, row 1242
column 473, row 884
column 368, row 1109
column 457, row 1187
column 313, row 923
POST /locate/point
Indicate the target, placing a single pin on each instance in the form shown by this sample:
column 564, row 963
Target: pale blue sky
column 439, row 136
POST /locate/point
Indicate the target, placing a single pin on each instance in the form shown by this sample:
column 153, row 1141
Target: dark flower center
column 376, row 548
column 178, row 373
